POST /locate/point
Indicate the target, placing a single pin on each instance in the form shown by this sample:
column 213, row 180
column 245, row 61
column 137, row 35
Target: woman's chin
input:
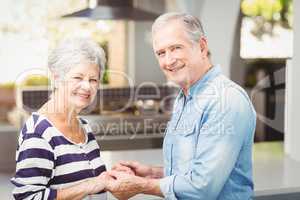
column 79, row 105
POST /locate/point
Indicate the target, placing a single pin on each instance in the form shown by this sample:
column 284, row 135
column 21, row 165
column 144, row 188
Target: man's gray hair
column 73, row 51
column 192, row 24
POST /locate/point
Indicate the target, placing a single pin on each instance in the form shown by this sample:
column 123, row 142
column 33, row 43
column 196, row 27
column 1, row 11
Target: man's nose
column 170, row 59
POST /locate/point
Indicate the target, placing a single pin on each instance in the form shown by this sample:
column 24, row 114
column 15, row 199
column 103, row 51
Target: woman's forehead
column 84, row 68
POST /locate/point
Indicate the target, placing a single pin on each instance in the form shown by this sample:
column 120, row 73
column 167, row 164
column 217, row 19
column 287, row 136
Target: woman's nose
column 85, row 84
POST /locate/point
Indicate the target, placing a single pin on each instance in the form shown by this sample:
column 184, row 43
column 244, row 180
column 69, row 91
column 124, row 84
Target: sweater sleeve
column 34, row 168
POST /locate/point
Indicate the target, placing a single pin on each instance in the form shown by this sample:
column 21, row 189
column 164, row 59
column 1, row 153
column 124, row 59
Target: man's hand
column 123, row 185
column 133, row 167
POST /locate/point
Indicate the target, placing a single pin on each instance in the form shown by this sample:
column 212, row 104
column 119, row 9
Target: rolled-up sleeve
column 226, row 128
column 166, row 186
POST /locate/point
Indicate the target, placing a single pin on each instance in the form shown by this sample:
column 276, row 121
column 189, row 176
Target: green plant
column 267, row 13
column 36, row 80
column 8, row 85
column 105, row 77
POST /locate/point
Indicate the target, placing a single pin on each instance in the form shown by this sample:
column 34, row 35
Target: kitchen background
column 253, row 41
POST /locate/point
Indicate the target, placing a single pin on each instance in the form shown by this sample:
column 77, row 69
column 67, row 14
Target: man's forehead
column 168, row 26
column 168, row 35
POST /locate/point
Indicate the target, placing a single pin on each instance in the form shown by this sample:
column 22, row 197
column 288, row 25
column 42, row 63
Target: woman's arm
column 81, row 190
column 34, row 169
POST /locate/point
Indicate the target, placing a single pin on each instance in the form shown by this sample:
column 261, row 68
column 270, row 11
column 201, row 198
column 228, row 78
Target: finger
column 116, row 166
column 115, row 174
column 125, row 169
column 130, row 164
column 104, row 173
column 119, row 167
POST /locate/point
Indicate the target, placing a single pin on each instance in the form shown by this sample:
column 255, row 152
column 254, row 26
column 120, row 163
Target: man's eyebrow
column 159, row 51
column 175, row 45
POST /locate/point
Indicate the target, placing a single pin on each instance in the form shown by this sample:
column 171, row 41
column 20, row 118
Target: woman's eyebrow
column 77, row 73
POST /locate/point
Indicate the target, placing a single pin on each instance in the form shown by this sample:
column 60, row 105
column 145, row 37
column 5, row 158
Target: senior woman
column 58, row 156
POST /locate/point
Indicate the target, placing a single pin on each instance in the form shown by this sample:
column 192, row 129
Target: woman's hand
column 98, row 183
column 134, row 168
column 91, row 186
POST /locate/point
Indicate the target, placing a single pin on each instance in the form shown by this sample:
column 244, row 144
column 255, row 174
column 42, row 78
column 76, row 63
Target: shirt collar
column 211, row 74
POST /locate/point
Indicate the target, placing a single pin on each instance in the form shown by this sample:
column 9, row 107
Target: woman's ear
column 54, row 80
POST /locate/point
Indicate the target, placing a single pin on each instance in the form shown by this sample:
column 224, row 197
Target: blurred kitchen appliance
column 114, row 10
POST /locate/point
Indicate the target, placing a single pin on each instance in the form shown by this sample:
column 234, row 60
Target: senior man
column 208, row 142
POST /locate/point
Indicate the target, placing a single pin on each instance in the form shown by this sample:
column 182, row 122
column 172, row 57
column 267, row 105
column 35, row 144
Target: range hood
column 114, row 10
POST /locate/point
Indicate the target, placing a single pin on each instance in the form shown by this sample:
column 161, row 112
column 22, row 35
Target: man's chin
column 174, row 78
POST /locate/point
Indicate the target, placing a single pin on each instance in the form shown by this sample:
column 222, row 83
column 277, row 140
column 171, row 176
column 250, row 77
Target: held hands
column 125, row 179
column 133, row 167
column 123, row 185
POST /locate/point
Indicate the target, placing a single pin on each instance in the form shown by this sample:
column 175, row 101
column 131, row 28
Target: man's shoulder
column 224, row 84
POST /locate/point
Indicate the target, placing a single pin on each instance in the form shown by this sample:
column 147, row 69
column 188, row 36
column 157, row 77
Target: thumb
column 131, row 164
column 115, row 174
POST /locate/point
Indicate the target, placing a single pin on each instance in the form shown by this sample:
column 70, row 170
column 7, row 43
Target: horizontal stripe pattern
column 47, row 160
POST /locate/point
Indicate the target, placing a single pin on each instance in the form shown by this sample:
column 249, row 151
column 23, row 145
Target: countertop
column 276, row 176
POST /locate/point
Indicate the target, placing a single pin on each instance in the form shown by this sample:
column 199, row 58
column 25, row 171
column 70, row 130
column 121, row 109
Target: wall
column 219, row 20
column 220, row 28
column 142, row 64
column 8, row 145
column 292, row 136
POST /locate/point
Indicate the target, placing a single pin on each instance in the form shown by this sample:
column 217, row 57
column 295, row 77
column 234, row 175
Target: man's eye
column 160, row 54
column 177, row 48
column 77, row 77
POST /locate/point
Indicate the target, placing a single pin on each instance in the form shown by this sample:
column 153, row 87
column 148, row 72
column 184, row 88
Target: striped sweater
column 46, row 160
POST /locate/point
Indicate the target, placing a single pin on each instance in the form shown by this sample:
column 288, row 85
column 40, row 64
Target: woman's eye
column 94, row 80
column 77, row 77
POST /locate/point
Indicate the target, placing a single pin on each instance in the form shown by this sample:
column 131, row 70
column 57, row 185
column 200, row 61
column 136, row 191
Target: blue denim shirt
column 208, row 142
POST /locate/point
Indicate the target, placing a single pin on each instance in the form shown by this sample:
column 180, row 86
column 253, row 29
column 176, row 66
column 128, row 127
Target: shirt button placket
column 171, row 159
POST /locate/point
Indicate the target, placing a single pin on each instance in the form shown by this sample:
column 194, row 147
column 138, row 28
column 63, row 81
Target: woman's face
column 79, row 88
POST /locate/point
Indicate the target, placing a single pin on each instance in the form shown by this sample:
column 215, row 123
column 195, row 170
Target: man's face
column 180, row 59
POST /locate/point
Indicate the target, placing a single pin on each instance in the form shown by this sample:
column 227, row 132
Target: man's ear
column 204, row 46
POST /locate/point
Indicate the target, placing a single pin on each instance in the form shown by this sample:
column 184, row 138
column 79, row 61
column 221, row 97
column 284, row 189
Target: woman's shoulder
column 36, row 124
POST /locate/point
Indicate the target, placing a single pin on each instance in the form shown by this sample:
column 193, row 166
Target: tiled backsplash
column 107, row 98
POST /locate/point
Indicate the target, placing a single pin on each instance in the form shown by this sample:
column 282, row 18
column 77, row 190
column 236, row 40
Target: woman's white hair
column 191, row 24
column 73, row 51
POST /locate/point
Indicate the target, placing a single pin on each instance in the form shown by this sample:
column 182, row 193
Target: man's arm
column 224, row 132
column 157, row 172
